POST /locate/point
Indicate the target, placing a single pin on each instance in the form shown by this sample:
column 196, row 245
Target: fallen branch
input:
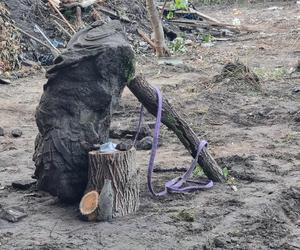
column 62, row 28
column 166, row 170
column 46, row 38
column 163, row 9
column 211, row 21
column 204, row 16
column 216, row 22
column 147, row 96
column 114, row 14
column 55, row 52
column 61, row 15
column 200, row 24
column 146, row 38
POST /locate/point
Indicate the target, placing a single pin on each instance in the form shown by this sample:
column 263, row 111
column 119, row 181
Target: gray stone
column 5, row 81
column 124, row 146
column 16, row 132
column 145, row 143
column 297, row 117
column 23, row 184
column 1, row 131
column 220, row 243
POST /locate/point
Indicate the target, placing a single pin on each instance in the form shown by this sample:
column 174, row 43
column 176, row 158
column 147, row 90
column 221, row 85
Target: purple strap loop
column 174, row 185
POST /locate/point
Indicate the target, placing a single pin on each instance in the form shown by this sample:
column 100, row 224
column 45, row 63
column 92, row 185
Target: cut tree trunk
column 119, row 167
column 160, row 45
column 146, row 94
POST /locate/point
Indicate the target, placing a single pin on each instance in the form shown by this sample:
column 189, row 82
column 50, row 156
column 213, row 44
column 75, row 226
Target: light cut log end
column 89, row 204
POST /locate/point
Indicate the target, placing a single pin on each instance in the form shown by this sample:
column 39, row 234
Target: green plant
column 181, row 4
column 177, row 45
column 170, row 15
column 207, row 38
column 271, row 74
column 225, row 172
column 198, row 171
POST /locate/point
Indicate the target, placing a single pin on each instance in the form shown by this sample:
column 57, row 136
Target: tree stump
column 84, row 85
column 119, row 167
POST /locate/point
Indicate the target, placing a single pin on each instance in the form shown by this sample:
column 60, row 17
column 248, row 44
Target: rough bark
column 119, row 167
column 159, row 39
column 147, row 96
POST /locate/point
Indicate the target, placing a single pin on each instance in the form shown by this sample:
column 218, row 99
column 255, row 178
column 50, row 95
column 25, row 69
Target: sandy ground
column 255, row 134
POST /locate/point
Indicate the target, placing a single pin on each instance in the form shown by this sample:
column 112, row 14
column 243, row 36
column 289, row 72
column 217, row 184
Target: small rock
column 296, row 90
column 12, row 214
column 170, row 61
column 23, row 184
column 124, row 146
column 207, row 45
column 219, row 243
column 16, row 132
column 188, row 42
column 5, row 81
column 234, row 239
column 297, row 117
column 145, row 143
column 1, row 131
column 275, row 8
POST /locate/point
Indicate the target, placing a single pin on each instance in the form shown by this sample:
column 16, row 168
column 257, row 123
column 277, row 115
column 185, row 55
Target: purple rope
column 174, row 185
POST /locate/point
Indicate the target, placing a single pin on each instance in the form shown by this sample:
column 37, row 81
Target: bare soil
column 254, row 133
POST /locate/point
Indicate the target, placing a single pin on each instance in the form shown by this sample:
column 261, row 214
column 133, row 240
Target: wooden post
column 119, row 167
column 147, row 96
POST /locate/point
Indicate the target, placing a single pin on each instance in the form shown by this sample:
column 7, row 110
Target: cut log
column 89, row 204
column 119, row 167
column 146, row 94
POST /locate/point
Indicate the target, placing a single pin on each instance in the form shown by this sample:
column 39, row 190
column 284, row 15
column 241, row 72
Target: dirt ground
column 254, row 133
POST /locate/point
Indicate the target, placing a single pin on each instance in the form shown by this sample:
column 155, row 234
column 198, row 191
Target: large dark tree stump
column 146, row 94
column 74, row 113
column 119, row 167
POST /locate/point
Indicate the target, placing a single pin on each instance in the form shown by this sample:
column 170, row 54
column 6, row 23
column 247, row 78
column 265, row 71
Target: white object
column 108, row 147
column 275, row 8
column 236, row 21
